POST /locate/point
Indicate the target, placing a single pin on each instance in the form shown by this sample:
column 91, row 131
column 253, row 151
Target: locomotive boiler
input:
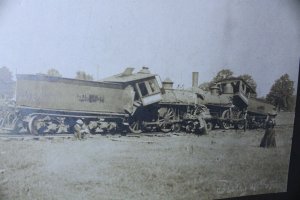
column 219, row 104
column 176, row 110
column 183, row 108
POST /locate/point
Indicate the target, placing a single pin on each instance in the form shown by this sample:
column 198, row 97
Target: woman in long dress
column 268, row 139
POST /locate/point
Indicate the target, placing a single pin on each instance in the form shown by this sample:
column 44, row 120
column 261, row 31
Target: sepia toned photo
column 153, row 99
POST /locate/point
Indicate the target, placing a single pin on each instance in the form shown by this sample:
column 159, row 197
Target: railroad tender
column 47, row 104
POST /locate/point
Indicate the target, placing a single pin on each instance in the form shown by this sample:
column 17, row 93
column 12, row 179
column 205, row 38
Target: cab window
column 153, row 86
column 147, row 87
column 236, row 87
column 143, row 89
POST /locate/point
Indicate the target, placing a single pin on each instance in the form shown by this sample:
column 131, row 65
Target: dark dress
column 269, row 137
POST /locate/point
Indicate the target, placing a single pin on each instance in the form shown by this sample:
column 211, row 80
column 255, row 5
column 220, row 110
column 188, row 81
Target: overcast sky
column 171, row 37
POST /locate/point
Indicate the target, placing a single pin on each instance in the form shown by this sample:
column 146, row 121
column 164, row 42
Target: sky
column 171, row 37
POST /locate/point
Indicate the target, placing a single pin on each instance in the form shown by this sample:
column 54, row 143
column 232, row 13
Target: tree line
column 81, row 75
column 280, row 95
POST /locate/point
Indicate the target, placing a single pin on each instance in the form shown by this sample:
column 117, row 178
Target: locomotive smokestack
column 195, row 79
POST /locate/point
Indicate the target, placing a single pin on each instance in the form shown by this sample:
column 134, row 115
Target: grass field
column 218, row 165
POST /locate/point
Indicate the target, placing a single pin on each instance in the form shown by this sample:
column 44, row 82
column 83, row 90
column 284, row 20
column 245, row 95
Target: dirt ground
column 179, row 166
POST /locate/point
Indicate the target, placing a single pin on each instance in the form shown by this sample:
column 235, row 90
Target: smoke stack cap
column 167, row 80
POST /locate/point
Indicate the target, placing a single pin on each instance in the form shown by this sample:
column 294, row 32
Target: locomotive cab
column 145, row 86
column 147, row 91
column 238, row 89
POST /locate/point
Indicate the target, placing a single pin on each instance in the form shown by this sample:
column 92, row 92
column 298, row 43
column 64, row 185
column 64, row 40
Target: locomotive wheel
column 166, row 115
column 241, row 123
column 32, row 125
column 12, row 122
column 35, row 125
column 190, row 128
column 18, row 125
column 8, row 120
column 135, row 127
column 204, row 130
column 209, row 126
column 225, row 122
column 226, row 125
column 176, row 127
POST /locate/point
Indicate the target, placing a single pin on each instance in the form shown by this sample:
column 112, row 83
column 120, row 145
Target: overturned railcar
column 46, row 104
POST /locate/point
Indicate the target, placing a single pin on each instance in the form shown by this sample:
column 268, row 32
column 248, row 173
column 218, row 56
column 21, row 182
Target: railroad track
column 27, row 136
column 4, row 135
column 33, row 137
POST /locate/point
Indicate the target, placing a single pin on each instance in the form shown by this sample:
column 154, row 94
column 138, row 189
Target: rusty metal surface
column 221, row 100
column 70, row 94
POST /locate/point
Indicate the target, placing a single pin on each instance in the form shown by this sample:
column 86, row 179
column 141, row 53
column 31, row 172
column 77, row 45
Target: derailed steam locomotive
column 133, row 101
column 231, row 104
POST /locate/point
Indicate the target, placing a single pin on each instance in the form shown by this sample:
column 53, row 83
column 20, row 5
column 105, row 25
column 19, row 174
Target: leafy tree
column 248, row 79
column 83, row 76
column 53, row 72
column 281, row 92
column 223, row 74
column 6, row 82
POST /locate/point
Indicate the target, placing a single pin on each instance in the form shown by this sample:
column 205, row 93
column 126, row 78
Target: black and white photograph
column 148, row 99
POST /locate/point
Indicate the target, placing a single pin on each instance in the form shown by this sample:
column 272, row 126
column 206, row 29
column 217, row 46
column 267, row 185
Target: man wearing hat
column 80, row 129
column 269, row 137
